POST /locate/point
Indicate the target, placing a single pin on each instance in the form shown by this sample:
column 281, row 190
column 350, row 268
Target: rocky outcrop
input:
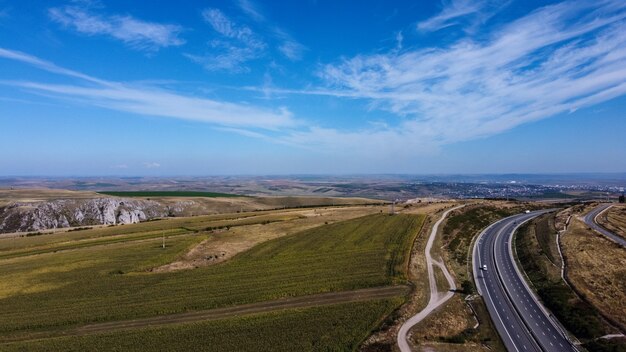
column 18, row 217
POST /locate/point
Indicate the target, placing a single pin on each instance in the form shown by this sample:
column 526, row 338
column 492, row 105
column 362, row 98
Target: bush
column 468, row 287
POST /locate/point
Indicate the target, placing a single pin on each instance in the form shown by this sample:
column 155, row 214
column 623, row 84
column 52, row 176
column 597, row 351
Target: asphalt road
column 522, row 322
column 590, row 220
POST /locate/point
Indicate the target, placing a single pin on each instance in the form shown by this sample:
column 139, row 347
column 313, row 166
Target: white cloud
column 238, row 44
column 454, row 12
column 228, row 28
column 230, row 58
column 136, row 33
column 288, row 46
column 45, row 65
column 451, row 11
column 399, row 40
column 250, row 9
column 149, row 100
column 555, row 60
column 151, row 165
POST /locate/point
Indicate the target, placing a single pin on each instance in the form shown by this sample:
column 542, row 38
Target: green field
column 148, row 194
column 55, row 291
column 329, row 328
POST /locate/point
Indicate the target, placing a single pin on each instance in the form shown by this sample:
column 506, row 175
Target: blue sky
column 291, row 87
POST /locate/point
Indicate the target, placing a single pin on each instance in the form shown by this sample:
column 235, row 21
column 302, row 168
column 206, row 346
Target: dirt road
column 435, row 298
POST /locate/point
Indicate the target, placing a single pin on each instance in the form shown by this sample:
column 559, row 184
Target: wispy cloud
column 226, row 27
column 237, row 44
column 556, row 59
column 399, row 40
column 454, row 12
column 136, row 33
column 251, row 9
column 148, row 100
column 45, row 65
column 288, row 46
column 151, row 165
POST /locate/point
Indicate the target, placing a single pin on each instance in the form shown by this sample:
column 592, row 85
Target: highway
column 590, row 220
column 522, row 322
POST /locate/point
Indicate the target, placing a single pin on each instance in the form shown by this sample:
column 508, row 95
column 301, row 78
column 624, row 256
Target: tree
column 468, row 287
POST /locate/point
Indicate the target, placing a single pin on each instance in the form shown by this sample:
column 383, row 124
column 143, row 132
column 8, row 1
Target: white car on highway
column 485, row 267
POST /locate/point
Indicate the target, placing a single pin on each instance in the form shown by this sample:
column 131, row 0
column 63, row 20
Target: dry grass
column 440, row 278
column 614, row 220
column 224, row 244
column 199, row 205
column 424, row 208
column 39, row 195
column 444, row 325
column 540, row 239
column 447, row 347
column 597, row 269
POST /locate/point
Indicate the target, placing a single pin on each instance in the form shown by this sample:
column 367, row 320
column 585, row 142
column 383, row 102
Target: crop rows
column 107, row 282
column 329, row 328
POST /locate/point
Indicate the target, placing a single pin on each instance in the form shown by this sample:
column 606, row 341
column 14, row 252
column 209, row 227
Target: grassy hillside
column 536, row 260
column 103, row 283
column 541, row 262
column 614, row 220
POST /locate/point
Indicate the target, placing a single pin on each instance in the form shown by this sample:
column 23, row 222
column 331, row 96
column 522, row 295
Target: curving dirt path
column 435, row 298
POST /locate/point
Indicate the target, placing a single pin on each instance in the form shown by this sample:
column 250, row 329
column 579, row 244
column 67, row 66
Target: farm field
column 103, row 275
column 38, row 194
column 329, row 328
column 34, row 243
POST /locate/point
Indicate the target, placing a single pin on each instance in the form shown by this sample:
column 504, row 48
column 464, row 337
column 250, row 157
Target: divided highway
column 590, row 220
column 522, row 322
